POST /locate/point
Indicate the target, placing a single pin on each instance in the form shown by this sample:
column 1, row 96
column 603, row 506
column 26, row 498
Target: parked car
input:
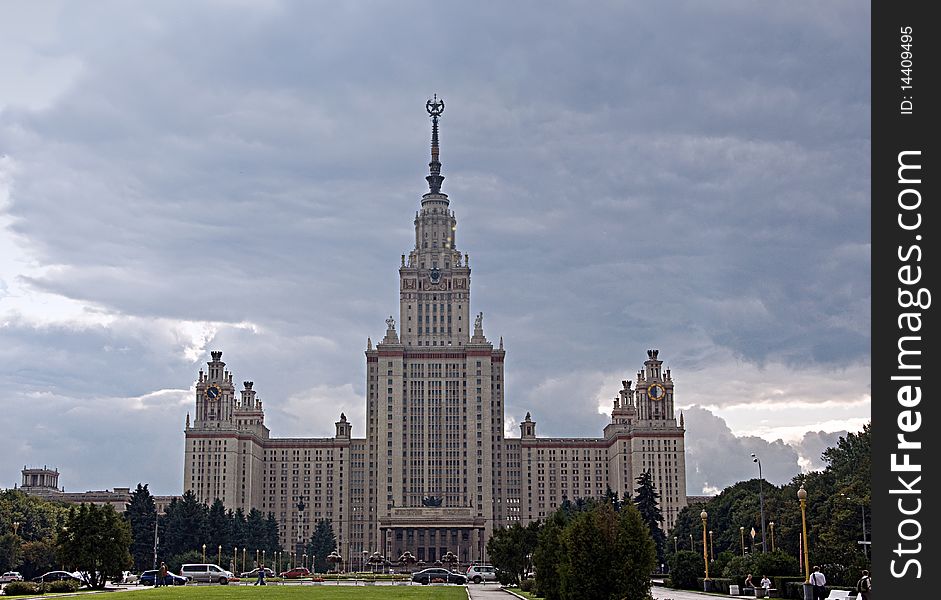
column 128, row 578
column 206, row 573
column 56, row 576
column 481, row 573
column 426, row 576
column 253, row 574
column 150, row 578
column 10, row 576
column 296, row 572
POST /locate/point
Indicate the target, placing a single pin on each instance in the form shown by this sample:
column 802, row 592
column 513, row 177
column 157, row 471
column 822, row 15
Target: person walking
column 161, row 578
column 765, row 584
column 864, row 586
column 261, row 576
column 819, row 581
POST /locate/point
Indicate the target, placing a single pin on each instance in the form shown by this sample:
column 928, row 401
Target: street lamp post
column 691, row 543
column 204, row 552
column 741, row 532
column 674, row 545
column 802, row 496
column 244, row 551
column 761, row 501
column 16, row 527
column 712, row 548
column 862, row 514
column 705, row 554
column 219, row 557
column 772, row 535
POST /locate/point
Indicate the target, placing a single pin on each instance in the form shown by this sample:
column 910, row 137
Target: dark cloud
column 627, row 177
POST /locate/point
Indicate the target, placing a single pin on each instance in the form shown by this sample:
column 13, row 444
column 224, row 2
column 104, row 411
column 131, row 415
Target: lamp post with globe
column 761, row 501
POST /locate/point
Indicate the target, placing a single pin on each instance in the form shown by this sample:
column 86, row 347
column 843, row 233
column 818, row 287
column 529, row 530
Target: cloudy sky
column 177, row 177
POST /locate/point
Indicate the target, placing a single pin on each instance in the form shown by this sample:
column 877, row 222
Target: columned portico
column 429, row 533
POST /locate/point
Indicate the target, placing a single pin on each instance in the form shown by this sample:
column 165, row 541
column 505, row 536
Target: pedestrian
column 261, row 575
column 748, row 582
column 161, row 578
column 765, row 584
column 819, row 582
column 864, row 586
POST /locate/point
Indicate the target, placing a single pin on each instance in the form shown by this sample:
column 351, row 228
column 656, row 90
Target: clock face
column 213, row 392
column 435, row 276
column 656, row 392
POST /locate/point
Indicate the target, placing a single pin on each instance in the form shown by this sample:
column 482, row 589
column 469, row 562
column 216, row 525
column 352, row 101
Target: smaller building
column 44, row 483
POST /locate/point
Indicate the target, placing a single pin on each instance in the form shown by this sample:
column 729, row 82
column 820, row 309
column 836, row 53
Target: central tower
column 434, row 283
column 434, row 416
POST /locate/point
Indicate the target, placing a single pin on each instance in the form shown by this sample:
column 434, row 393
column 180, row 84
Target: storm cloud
column 180, row 177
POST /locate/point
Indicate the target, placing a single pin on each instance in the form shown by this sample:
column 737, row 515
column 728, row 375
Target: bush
column 740, row 566
column 21, row 588
column 685, row 567
column 527, row 585
column 774, row 563
column 781, row 583
column 719, row 584
column 62, row 586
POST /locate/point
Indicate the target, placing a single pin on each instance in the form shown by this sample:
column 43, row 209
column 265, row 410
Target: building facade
column 434, row 472
column 44, row 483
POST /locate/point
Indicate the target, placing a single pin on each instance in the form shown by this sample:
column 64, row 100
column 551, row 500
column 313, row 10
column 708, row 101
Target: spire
column 434, row 107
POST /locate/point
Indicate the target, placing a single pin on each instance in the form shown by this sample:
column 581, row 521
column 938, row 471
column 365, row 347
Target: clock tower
column 655, row 393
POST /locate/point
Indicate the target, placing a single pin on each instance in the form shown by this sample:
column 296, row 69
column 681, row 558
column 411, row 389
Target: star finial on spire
column 435, row 108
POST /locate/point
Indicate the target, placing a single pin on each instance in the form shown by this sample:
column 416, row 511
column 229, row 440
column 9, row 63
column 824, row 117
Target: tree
column 636, row 554
column 39, row 557
column 95, row 540
column 510, row 550
column 11, row 552
column 239, row 529
column 184, row 525
column 218, row 526
column 685, row 567
column 588, row 555
column 141, row 515
column 255, row 531
column 548, row 556
column 647, row 501
column 272, row 538
column 321, row 543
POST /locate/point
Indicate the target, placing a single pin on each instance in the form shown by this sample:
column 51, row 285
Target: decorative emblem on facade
column 431, row 501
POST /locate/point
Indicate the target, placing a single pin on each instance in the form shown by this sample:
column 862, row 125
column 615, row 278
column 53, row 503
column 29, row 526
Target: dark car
column 150, row 578
column 296, row 572
column 56, row 576
column 426, row 576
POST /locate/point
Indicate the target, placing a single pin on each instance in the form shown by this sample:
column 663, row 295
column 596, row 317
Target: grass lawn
column 326, row 592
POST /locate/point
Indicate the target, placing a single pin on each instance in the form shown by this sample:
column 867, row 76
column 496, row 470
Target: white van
column 206, row 573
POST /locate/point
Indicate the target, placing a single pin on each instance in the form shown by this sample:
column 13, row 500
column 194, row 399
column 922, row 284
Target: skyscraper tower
column 435, row 394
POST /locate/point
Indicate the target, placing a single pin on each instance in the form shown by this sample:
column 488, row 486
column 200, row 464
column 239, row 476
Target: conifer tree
column 647, row 501
column 322, row 543
column 141, row 515
column 219, row 526
column 185, row 525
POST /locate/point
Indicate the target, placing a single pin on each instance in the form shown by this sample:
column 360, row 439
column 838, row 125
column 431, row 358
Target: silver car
column 481, row 573
column 206, row 573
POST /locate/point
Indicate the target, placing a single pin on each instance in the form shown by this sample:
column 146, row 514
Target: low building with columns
column 434, row 472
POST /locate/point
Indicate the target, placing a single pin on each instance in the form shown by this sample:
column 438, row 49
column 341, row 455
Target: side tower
column 659, row 441
column 224, row 455
column 434, row 418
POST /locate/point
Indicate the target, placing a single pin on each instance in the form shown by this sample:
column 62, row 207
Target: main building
column 434, row 472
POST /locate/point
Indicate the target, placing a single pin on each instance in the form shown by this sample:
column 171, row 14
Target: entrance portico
column 429, row 533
